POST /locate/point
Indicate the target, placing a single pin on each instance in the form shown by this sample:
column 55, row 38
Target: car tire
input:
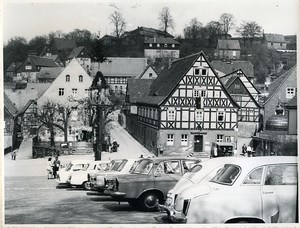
column 148, row 201
column 86, row 185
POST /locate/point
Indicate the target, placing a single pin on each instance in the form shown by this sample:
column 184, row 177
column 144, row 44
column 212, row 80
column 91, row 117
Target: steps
column 83, row 148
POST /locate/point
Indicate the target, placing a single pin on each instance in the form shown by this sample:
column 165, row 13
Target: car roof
column 159, row 159
column 81, row 161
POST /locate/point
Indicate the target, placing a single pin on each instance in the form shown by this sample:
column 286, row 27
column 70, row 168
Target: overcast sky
column 29, row 18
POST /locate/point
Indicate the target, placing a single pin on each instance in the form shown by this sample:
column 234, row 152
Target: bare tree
column 166, row 20
column 193, row 30
column 249, row 30
column 118, row 22
column 227, row 21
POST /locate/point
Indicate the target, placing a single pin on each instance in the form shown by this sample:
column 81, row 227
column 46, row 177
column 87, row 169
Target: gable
column 74, row 70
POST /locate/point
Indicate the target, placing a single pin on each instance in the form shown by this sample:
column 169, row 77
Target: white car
column 203, row 171
column 73, row 166
column 80, row 178
column 98, row 181
column 251, row 190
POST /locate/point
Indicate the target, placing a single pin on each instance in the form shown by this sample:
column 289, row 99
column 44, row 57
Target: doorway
column 198, row 143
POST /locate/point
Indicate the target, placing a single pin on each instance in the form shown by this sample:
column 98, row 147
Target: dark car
column 149, row 182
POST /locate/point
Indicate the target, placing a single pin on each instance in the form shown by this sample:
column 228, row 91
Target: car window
column 189, row 165
column 78, row 167
column 172, row 167
column 121, row 166
column 227, row 175
column 143, row 167
column 115, row 166
column 254, row 177
column 284, row 174
column 69, row 166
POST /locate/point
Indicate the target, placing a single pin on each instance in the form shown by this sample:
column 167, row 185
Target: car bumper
column 113, row 194
column 174, row 216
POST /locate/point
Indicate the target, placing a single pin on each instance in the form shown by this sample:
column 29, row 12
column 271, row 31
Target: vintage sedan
column 73, row 166
column 98, row 181
column 201, row 172
column 80, row 178
column 251, row 190
column 149, row 181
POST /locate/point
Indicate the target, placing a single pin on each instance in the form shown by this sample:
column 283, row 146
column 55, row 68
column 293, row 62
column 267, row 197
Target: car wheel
column 148, row 201
column 86, row 185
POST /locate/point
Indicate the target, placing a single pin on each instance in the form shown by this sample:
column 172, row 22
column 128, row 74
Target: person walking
column 56, row 165
column 49, row 168
column 13, row 155
column 244, row 149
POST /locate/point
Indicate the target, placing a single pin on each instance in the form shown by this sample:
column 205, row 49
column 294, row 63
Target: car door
column 279, row 193
column 167, row 174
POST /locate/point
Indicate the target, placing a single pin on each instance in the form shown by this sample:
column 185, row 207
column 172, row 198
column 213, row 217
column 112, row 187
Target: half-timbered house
column 187, row 108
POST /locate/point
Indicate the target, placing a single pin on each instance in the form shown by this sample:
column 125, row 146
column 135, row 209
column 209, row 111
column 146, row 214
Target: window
column 28, row 67
column 220, row 116
column 199, row 115
column 165, row 45
column 150, row 75
column 173, row 45
column 171, row 115
column 227, row 175
column 284, row 174
column 290, row 92
column 67, row 78
column 237, row 86
column 116, row 88
column 74, row 92
column 80, row 78
column 220, row 138
column 196, row 93
column 61, row 91
column 184, row 140
column 158, row 45
column 203, row 93
column 197, row 71
column 170, row 140
column 254, row 177
column 204, row 72
column 271, row 44
column 150, row 45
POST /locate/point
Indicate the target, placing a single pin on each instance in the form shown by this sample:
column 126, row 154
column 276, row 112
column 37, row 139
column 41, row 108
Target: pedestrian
column 249, row 151
column 56, row 165
column 49, row 168
column 215, row 151
column 13, row 155
column 244, row 149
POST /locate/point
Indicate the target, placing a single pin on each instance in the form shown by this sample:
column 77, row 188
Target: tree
column 227, row 22
column 118, row 22
column 249, row 30
column 98, row 51
column 193, row 30
column 55, row 115
column 83, row 37
column 166, row 20
column 37, row 44
column 56, row 34
column 212, row 30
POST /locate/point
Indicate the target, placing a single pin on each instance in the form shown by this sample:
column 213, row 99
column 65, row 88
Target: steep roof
column 10, row 106
column 138, row 88
column 279, row 38
column 273, row 87
column 229, row 67
column 41, row 61
column 161, row 40
column 62, row 44
column 53, row 57
column 229, row 44
column 14, row 66
column 292, row 103
column 126, row 67
column 149, row 31
column 143, row 72
column 49, row 72
column 77, row 51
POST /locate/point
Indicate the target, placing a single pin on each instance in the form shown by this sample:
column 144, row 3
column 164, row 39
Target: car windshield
column 227, row 175
column 143, row 167
column 121, row 166
column 86, row 167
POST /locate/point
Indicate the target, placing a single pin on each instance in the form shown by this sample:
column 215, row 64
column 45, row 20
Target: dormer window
column 67, row 78
column 150, row 75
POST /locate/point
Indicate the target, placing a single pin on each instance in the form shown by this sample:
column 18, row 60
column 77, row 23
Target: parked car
column 73, row 166
column 98, row 181
column 250, row 190
column 149, row 181
column 201, row 172
column 80, row 178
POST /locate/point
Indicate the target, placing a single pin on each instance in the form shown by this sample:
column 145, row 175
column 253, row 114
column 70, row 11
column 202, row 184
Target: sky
column 29, row 18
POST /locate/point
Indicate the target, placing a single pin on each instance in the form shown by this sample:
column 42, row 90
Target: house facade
column 148, row 73
column 71, row 85
column 118, row 70
column 31, row 66
column 275, row 41
column 161, row 47
column 187, row 108
column 281, row 91
column 228, row 49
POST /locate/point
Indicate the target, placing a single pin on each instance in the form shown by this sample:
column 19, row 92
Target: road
column 36, row 200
